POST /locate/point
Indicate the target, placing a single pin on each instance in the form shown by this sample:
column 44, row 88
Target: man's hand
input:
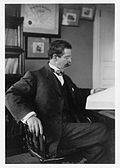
column 35, row 125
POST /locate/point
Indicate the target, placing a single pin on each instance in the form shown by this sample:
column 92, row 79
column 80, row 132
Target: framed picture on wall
column 70, row 17
column 40, row 19
column 88, row 13
column 37, row 47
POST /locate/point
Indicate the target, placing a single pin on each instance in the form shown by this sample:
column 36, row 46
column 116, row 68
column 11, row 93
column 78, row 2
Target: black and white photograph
column 37, row 47
column 40, row 18
column 88, row 13
column 70, row 17
column 60, row 84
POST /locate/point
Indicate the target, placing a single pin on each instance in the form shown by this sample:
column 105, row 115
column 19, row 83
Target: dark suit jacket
column 39, row 91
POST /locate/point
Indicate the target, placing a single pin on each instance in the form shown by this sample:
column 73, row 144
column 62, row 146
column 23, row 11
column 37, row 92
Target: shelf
column 12, row 51
column 14, row 42
column 13, row 22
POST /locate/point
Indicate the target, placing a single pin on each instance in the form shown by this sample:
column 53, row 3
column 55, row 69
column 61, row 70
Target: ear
column 55, row 56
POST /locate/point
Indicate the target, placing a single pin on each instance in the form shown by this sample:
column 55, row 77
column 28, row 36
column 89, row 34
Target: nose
column 70, row 60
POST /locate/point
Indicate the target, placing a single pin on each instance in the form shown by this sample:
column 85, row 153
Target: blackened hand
column 35, row 125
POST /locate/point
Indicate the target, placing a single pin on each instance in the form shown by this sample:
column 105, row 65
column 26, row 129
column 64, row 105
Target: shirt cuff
column 92, row 91
column 24, row 119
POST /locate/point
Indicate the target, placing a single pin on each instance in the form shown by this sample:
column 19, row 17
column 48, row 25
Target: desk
column 102, row 102
column 107, row 113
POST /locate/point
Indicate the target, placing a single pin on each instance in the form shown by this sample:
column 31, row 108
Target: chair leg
column 46, row 160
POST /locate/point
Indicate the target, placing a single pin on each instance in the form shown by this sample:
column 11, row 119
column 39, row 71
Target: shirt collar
column 53, row 67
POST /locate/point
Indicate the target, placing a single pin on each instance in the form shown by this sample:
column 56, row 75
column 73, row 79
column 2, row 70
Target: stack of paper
column 102, row 100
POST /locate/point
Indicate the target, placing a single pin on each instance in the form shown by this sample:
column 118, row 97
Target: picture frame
column 37, row 47
column 87, row 13
column 41, row 19
column 70, row 17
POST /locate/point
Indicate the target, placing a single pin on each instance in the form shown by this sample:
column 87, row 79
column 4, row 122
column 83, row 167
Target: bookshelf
column 14, row 44
column 14, row 70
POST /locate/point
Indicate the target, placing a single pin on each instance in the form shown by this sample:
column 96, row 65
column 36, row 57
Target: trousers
column 88, row 138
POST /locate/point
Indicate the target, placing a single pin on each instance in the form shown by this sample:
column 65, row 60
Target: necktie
column 58, row 72
column 59, row 75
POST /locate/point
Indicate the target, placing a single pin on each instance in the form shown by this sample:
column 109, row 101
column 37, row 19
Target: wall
column 81, row 38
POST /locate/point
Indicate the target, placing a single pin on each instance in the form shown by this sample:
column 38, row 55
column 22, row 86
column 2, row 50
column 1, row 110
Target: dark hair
column 57, row 47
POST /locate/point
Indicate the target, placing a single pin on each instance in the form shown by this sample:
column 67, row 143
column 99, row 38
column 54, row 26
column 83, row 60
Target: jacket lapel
column 71, row 88
column 52, row 80
column 69, row 85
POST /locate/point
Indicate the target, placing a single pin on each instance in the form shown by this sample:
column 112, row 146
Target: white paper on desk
column 102, row 100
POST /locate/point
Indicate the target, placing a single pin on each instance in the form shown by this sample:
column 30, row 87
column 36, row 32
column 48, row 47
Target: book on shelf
column 11, row 66
column 12, row 37
column 19, row 37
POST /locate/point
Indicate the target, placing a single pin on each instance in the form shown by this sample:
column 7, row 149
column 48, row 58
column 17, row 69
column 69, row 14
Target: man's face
column 65, row 60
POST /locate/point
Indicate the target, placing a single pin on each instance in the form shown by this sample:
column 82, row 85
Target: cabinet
column 14, row 57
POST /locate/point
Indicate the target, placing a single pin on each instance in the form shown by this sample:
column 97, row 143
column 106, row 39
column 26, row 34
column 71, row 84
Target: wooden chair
column 37, row 147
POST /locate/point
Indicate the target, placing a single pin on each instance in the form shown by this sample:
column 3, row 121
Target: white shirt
column 60, row 78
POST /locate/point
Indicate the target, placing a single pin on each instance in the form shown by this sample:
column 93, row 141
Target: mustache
column 68, row 64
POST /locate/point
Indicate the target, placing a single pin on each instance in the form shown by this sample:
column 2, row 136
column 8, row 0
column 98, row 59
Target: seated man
column 48, row 101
